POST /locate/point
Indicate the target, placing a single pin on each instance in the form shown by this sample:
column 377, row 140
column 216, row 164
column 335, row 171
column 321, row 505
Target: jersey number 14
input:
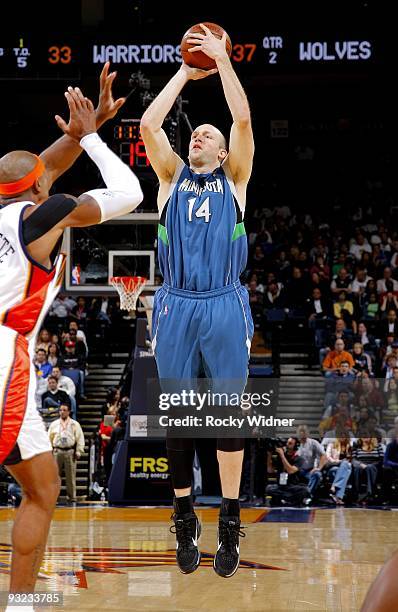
column 203, row 210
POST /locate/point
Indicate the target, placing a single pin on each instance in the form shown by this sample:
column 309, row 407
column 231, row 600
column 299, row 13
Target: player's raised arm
column 241, row 145
column 122, row 193
column 63, row 153
column 162, row 157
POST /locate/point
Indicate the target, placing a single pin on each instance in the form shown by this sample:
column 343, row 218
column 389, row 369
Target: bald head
column 16, row 165
column 211, row 128
column 207, row 148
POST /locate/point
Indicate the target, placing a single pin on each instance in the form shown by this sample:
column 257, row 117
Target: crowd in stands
column 342, row 469
column 62, row 350
column 61, row 365
column 112, row 428
column 337, row 276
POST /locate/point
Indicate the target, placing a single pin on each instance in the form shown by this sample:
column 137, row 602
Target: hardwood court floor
column 123, row 559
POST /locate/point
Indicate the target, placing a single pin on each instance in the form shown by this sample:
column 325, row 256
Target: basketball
column 198, row 59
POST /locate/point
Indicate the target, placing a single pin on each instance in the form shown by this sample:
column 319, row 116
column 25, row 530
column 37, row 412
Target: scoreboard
column 24, row 56
column 21, row 57
column 131, row 148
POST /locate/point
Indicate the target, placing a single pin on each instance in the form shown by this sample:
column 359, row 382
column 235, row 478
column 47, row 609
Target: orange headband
column 25, row 182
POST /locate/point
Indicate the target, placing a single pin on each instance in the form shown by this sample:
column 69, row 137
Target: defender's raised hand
column 82, row 118
column 62, row 154
column 107, row 107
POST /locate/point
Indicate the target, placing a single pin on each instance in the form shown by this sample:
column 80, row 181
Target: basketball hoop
column 129, row 288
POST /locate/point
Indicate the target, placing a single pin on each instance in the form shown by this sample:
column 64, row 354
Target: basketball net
column 128, row 288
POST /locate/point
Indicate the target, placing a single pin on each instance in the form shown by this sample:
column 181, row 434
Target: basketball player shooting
column 31, row 271
column 201, row 318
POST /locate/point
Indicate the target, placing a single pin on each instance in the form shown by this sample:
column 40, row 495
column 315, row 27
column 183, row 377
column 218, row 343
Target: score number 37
column 243, row 52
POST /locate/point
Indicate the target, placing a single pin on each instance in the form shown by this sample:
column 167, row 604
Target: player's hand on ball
column 208, row 43
column 194, row 74
column 81, row 118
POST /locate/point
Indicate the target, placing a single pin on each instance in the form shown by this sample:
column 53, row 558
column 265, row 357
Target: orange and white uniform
column 27, row 290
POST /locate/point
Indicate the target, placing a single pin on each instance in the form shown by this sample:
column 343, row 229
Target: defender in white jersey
column 31, row 268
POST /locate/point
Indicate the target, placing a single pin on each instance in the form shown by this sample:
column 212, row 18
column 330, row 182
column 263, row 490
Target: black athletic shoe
column 187, row 529
column 226, row 560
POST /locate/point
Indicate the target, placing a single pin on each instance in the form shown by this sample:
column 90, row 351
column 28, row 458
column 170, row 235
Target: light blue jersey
column 201, row 319
column 202, row 240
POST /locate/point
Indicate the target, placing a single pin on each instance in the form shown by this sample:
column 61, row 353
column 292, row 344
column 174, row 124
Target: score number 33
column 203, row 210
column 58, row 55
